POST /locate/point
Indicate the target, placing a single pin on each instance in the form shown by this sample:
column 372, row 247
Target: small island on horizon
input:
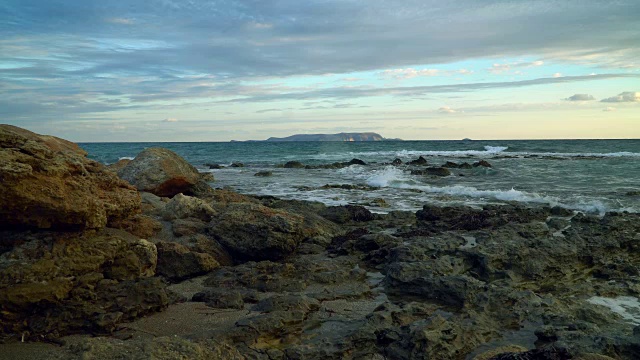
column 347, row 137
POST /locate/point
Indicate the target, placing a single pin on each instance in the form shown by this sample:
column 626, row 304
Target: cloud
column 170, row 120
column 580, row 97
column 447, row 110
column 609, row 109
column 121, row 21
column 557, row 75
column 627, row 96
column 498, row 68
column 409, row 73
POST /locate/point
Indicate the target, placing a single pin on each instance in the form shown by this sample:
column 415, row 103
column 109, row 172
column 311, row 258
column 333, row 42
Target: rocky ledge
column 183, row 271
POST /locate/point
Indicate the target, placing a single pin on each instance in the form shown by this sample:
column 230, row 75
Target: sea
column 591, row 176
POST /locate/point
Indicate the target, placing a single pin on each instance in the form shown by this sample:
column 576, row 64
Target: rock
column 263, row 173
column 396, row 162
column 117, row 166
column 633, row 193
column 161, row 172
column 188, row 227
column 182, row 206
column 220, row 298
column 155, row 203
column 482, row 163
column 237, row 165
column 294, row 165
column 61, row 283
column 142, row 226
column 287, row 302
column 48, row 182
column 177, row 262
column 347, row 213
column 356, row 162
column 256, row 232
column 214, row 166
column 451, row 165
column 419, row 161
column 489, row 354
column 437, row 171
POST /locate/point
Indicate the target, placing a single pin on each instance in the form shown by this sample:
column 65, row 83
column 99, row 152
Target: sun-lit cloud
column 447, row 110
column 121, row 21
column 609, row 109
column 170, row 120
column 627, row 96
column 557, row 75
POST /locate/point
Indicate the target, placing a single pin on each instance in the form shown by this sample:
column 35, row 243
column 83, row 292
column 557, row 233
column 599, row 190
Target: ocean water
column 592, row 176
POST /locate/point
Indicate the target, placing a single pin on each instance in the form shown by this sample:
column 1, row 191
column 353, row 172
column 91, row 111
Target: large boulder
column 256, row 232
column 47, row 182
column 56, row 283
column 161, row 172
column 177, row 262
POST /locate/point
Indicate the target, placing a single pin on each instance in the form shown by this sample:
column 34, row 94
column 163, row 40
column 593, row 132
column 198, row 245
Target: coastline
column 238, row 276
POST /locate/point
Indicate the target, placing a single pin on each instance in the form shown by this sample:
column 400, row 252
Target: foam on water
column 126, row 158
column 386, row 176
column 626, row 306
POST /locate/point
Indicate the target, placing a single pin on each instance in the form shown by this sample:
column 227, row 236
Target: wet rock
column 396, row 162
column 294, row 165
column 356, row 162
column 453, row 165
column 419, row 161
column 560, row 211
column 263, row 173
column 482, row 163
column 60, row 283
column 177, row 262
column 182, row 206
column 347, row 213
column 237, row 165
column 214, row 166
column 161, row 172
column 633, row 193
column 437, row 171
column 541, row 354
column 48, row 182
column 287, row 302
column 256, row 232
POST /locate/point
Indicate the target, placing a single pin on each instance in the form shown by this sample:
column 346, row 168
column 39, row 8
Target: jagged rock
column 177, row 262
column 59, row 283
column 188, row 227
column 263, row 173
column 482, row 163
column 182, row 206
column 419, row 161
column 396, row 162
column 237, row 165
column 293, row 165
column 220, row 298
column 256, row 232
column 214, row 166
column 48, row 182
column 161, row 172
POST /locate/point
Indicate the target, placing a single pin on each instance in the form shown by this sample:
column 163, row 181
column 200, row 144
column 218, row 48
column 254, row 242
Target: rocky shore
column 145, row 260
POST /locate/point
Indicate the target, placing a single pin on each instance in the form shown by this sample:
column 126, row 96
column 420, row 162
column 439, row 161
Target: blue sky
column 164, row 70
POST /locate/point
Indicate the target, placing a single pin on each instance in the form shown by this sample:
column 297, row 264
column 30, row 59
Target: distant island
column 360, row 136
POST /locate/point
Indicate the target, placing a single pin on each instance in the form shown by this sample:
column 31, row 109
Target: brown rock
column 177, row 262
column 161, row 172
column 140, row 225
column 119, row 165
column 48, row 182
column 58, row 283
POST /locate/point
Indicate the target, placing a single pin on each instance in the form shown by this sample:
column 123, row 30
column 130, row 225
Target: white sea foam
column 626, row 306
column 385, row 176
column 126, row 158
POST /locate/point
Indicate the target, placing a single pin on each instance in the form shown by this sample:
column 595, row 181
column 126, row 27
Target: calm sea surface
column 593, row 176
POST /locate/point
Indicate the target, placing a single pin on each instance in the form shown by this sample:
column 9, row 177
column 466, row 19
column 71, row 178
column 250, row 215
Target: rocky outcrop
column 256, row 232
column 57, row 283
column 161, row 172
column 48, row 182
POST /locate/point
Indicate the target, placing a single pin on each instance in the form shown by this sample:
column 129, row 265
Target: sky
column 220, row 70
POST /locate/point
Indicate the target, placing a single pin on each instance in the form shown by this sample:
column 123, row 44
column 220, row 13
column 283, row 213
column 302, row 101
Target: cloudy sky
column 195, row 70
